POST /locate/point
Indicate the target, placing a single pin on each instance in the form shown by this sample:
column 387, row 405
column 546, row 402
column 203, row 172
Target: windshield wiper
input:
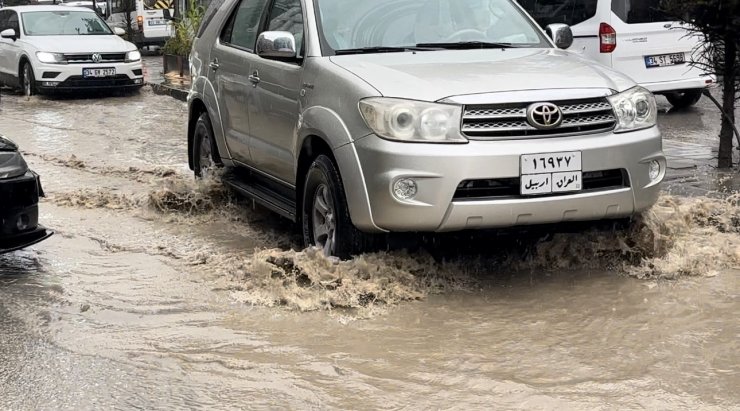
column 384, row 49
column 467, row 45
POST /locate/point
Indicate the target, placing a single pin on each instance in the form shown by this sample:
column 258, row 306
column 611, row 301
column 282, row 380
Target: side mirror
column 8, row 34
column 561, row 34
column 119, row 31
column 276, row 45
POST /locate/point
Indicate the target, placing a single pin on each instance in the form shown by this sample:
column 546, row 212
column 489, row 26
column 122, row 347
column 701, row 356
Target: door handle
column 255, row 78
column 214, row 65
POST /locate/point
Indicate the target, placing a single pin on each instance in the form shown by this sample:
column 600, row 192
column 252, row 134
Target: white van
column 634, row 37
column 150, row 20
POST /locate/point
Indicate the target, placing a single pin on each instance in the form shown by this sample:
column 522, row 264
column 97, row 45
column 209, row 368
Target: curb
column 164, row 90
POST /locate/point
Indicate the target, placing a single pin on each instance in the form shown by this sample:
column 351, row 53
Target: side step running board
column 261, row 194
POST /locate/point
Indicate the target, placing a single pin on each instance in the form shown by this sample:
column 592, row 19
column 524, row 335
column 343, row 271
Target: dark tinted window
column 286, row 15
column 639, row 11
column 4, row 14
column 242, row 29
column 569, row 12
column 13, row 22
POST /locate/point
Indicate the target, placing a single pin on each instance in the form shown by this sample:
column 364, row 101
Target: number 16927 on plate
column 551, row 173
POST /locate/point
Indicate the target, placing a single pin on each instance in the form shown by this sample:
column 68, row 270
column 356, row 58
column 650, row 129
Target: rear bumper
column 19, row 213
column 683, row 84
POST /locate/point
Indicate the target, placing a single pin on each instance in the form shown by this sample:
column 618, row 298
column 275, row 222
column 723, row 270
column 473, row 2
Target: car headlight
column 635, row 109
column 50, row 58
column 413, row 121
column 132, row 56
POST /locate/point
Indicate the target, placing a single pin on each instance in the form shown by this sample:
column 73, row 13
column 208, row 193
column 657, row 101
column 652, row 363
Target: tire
column 683, row 99
column 28, row 80
column 205, row 153
column 325, row 216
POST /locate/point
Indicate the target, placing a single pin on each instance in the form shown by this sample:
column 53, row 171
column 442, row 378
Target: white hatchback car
column 50, row 48
column 634, row 37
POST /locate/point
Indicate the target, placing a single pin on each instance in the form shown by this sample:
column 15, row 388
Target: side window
column 13, row 23
column 244, row 24
column 570, row 12
column 4, row 14
column 287, row 15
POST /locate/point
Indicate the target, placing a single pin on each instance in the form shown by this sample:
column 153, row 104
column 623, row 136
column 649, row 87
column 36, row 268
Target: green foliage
column 185, row 29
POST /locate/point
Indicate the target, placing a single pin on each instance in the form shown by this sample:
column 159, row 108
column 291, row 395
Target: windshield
column 63, row 23
column 354, row 24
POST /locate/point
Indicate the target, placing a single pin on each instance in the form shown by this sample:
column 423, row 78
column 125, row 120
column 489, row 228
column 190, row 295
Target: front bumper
column 68, row 77
column 19, row 213
column 440, row 169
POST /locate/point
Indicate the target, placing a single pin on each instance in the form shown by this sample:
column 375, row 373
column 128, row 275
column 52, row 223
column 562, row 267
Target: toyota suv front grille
column 500, row 121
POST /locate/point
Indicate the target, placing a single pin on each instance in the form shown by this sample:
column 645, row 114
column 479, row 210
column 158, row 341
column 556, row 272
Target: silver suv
column 357, row 117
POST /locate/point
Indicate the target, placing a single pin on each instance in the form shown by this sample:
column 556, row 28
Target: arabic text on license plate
column 665, row 60
column 98, row 72
column 551, row 173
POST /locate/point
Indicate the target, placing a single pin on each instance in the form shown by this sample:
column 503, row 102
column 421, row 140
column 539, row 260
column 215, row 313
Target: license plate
column 551, row 173
column 663, row 60
column 98, row 72
column 157, row 22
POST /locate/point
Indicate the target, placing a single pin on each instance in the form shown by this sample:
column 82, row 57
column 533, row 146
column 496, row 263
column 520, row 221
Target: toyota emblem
column 97, row 58
column 544, row 116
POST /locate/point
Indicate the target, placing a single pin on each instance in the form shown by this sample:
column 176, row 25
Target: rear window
column 639, row 11
column 570, row 12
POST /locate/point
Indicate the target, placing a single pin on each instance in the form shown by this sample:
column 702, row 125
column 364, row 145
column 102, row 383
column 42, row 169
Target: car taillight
column 140, row 22
column 607, row 38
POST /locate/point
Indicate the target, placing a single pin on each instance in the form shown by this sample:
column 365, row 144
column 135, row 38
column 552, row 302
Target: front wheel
column 28, row 82
column 204, row 153
column 683, row 99
column 325, row 215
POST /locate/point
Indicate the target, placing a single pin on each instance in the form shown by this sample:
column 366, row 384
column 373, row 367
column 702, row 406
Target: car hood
column 80, row 44
column 11, row 162
column 435, row 75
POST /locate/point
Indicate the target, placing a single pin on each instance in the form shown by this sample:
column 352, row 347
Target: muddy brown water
column 158, row 292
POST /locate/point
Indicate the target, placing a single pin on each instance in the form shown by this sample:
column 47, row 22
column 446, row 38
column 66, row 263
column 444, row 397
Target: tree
column 717, row 22
column 128, row 7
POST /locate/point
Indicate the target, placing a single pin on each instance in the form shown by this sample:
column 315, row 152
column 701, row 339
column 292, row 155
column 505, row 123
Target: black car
column 20, row 189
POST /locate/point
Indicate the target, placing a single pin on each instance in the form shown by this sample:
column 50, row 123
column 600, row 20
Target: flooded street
column 159, row 292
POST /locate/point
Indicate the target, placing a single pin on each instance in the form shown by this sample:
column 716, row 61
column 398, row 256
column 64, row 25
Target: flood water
column 157, row 292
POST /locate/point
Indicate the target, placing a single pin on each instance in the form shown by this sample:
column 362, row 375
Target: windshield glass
column 352, row 24
column 63, row 23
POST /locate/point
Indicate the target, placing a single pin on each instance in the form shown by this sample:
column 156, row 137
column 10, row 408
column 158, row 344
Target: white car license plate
column 663, row 60
column 157, row 22
column 98, row 72
column 551, row 173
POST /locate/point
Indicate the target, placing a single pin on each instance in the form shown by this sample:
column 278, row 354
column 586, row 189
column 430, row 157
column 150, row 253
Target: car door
column 644, row 33
column 274, row 102
column 229, row 69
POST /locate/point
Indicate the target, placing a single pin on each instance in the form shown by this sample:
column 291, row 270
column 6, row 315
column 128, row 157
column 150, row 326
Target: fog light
column 654, row 170
column 22, row 222
column 138, row 81
column 49, row 83
column 405, row 188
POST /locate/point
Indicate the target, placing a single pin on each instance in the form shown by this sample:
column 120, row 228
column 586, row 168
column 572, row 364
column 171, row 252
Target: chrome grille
column 484, row 122
column 86, row 58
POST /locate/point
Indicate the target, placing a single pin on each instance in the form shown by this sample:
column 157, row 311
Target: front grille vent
column 505, row 121
column 87, row 58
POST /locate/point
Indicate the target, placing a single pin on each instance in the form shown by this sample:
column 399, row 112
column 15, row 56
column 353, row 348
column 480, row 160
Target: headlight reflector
column 413, row 121
column 50, row 58
column 635, row 109
column 132, row 56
